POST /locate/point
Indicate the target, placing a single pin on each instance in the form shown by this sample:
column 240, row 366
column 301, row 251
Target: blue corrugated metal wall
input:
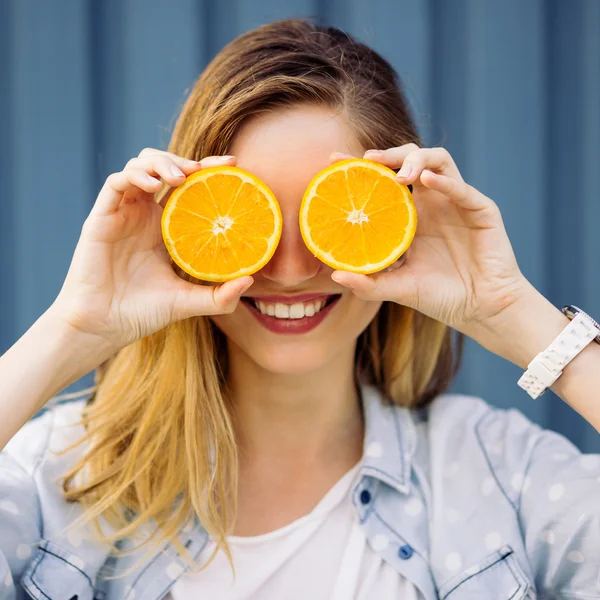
column 511, row 88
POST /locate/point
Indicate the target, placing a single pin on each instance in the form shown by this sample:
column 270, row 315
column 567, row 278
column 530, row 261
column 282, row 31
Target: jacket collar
column 389, row 443
column 388, row 448
column 390, row 439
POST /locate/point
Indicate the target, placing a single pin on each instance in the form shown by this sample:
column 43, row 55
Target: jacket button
column 365, row 496
column 405, row 552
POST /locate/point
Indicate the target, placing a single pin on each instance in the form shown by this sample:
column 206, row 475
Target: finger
column 157, row 164
column 152, row 165
column 457, row 190
column 337, row 156
column 392, row 157
column 182, row 162
column 196, row 300
column 215, row 161
column 434, row 159
column 155, row 151
column 117, row 184
column 171, row 170
column 398, row 285
column 209, row 161
column 162, row 166
column 395, row 265
column 412, row 160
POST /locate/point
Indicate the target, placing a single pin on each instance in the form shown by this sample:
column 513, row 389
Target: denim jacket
column 463, row 499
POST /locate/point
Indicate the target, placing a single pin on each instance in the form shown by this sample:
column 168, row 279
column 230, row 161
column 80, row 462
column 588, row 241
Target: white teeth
column 282, row 311
column 298, row 310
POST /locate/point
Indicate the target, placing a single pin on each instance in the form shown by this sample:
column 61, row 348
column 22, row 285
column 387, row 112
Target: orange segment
column 356, row 217
column 221, row 223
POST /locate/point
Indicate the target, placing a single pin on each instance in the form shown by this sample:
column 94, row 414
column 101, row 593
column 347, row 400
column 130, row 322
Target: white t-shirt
column 322, row 556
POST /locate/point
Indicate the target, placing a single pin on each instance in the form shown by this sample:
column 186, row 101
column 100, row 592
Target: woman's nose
column 292, row 264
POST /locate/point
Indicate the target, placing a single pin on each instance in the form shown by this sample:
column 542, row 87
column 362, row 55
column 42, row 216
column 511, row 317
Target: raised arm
column 46, row 359
column 120, row 287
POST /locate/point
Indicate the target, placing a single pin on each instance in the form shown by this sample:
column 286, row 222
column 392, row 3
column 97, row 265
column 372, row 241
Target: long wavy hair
column 160, row 447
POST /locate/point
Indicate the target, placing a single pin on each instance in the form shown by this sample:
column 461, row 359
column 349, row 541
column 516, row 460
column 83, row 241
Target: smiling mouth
column 297, row 310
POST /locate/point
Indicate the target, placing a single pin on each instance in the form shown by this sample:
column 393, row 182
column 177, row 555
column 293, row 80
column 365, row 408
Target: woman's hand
column 460, row 268
column 121, row 285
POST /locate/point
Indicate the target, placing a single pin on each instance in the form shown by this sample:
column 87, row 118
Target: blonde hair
column 160, row 445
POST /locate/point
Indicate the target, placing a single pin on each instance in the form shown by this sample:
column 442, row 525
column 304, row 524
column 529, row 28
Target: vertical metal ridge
column 8, row 199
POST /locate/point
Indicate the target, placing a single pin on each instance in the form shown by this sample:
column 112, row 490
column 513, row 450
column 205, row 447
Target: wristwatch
column 572, row 311
column 548, row 365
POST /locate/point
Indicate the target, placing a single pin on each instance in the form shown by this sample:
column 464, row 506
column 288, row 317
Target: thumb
column 394, row 286
column 194, row 300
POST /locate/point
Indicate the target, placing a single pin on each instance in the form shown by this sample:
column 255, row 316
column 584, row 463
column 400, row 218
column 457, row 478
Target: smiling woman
column 291, row 427
column 285, row 149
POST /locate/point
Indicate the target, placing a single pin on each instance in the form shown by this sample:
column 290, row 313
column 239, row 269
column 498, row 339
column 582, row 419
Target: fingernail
column 405, row 171
column 223, row 158
column 374, row 152
column 176, row 171
column 346, row 285
column 246, row 287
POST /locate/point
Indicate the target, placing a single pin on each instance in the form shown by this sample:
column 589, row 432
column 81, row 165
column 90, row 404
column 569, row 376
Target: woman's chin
column 290, row 363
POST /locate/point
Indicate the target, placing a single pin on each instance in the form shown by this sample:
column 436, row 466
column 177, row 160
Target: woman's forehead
column 289, row 146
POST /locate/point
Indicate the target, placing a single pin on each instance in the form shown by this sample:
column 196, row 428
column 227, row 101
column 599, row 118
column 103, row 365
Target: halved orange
column 356, row 217
column 221, row 223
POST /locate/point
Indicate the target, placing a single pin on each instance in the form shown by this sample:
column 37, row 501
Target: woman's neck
column 296, row 422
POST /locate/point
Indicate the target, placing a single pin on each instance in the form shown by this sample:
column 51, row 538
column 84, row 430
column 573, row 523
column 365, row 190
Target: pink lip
column 290, row 326
column 290, row 299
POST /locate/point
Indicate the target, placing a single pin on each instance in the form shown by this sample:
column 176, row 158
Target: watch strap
column 572, row 311
column 548, row 365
